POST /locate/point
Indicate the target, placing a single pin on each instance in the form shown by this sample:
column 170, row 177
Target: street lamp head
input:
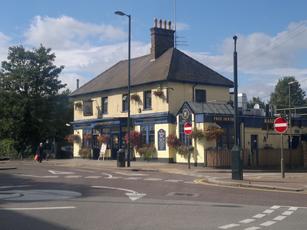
column 120, row 13
column 292, row 82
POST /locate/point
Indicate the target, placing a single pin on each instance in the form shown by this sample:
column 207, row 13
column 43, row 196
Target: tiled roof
column 173, row 65
column 211, row 108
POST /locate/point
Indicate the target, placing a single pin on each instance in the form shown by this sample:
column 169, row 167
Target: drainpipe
column 193, row 93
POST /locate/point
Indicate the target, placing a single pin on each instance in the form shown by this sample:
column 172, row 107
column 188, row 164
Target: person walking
column 40, row 152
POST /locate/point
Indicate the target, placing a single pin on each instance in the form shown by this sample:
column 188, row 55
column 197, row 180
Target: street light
column 120, row 13
column 290, row 125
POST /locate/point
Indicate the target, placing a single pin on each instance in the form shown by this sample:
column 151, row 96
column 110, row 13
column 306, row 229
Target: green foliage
column 280, row 96
column 31, row 107
column 147, row 151
column 197, row 134
column 7, row 148
column 185, row 150
column 85, row 153
column 256, row 100
column 173, row 141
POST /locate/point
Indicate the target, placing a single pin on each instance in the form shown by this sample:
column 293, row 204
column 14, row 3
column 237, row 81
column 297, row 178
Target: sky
column 88, row 38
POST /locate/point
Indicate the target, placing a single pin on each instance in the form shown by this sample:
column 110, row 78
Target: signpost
column 281, row 126
column 187, row 128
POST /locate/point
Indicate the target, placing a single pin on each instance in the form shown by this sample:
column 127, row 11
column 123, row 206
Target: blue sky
column 88, row 38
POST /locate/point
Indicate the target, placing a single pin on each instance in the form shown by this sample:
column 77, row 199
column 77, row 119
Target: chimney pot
column 169, row 25
column 155, row 22
column 77, row 83
column 160, row 23
column 165, row 24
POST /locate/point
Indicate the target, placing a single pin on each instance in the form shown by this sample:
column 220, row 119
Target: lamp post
column 120, row 13
column 290, row 125
column 237, row 172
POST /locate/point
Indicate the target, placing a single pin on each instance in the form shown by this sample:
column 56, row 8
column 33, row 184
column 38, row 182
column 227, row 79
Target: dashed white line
column 287, row 213
column 268, row 223
column 173, row 181
column 229, row 226
column 153, row 179
column 247, row 221
column 252, row 228
column 279, row 218
column 189, row 182
column 275, row 207
column 293, row 208
column 268, row 211
column 258, row 216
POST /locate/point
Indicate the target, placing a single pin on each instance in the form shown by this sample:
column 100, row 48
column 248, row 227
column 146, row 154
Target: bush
column 7, row 148
column 85, row 153
column 147, row 151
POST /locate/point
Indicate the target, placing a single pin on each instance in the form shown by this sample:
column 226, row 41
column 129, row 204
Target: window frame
column 104, row 105
column 202, row 97
column 125, row 103
column 147, row 104
column 87, row 109
column 148, row 134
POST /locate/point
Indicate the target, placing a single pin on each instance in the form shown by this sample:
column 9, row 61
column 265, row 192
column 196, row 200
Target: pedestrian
column 102, row 152
column 40, row 152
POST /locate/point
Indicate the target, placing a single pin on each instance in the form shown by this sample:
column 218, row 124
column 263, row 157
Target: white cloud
column 67, row 33
column 71, row 80
column 182, row 26
column 262, row 59
column 4, row 45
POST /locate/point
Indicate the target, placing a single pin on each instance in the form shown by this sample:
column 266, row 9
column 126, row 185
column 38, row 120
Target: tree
column 280, row 96
column 31, row 107
column 256, row 100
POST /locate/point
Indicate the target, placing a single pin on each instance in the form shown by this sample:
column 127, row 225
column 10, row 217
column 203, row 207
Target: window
column 200, row 96
column 125, row 103
column 226, row 140
column 104, row 104
column 88, row 108
column 148, row 134
column 147, row 99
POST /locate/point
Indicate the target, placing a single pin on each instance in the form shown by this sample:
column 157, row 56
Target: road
column 43, row 196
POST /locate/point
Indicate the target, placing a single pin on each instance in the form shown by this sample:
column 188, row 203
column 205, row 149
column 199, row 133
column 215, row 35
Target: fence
column 267, row 158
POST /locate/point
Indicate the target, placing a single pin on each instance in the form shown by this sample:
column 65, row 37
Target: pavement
column 294, row 181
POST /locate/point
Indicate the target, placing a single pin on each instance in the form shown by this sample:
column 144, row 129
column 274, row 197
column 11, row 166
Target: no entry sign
column 187, row 128
column 280, row 125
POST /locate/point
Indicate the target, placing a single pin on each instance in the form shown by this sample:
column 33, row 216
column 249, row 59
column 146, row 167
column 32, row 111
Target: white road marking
column 279, row 218
column 60, row 172
column 293, row 208
column 229, row 226
column 268, row 211
column 268, row 223
column 258, row 216
column 107, row 174
column 252, row 228
column 189, row 182
column 35, row 176
column 92, row 177
column 37, row 208
column 133, row 195
column 275, row 207
column 247, row 221
column 73, row 176
column 153, row 179
column 131, row 174
column 114, row 177
column 173, row 181
column 287, row 213
column 13, row 186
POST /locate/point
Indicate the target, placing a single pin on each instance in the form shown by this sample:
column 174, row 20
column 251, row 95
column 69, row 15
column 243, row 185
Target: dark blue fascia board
column 103, row 121
column 154, row 118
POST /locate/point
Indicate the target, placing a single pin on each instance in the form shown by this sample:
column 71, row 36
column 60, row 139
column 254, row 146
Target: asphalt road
column 42, row 196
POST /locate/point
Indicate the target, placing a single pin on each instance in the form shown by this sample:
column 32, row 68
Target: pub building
column 169, row 88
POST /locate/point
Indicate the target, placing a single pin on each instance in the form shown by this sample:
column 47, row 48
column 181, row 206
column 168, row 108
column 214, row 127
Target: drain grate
column 183, row 194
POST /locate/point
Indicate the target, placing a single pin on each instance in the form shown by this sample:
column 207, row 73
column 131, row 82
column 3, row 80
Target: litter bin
column 121, row 158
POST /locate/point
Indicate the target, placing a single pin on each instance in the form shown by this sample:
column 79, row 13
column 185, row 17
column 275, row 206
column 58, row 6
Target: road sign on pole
column 281, row 126
column 187, row 128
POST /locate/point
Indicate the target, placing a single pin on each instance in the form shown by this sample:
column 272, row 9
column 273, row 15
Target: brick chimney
column 162, row 37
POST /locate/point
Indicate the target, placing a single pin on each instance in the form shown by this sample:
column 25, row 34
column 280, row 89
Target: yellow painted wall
column 181, row 92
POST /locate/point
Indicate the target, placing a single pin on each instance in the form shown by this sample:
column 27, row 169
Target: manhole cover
column 183, row 194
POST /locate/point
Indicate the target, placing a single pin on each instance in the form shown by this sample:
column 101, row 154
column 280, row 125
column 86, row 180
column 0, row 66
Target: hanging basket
column 136, row 98
column 78, row 105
